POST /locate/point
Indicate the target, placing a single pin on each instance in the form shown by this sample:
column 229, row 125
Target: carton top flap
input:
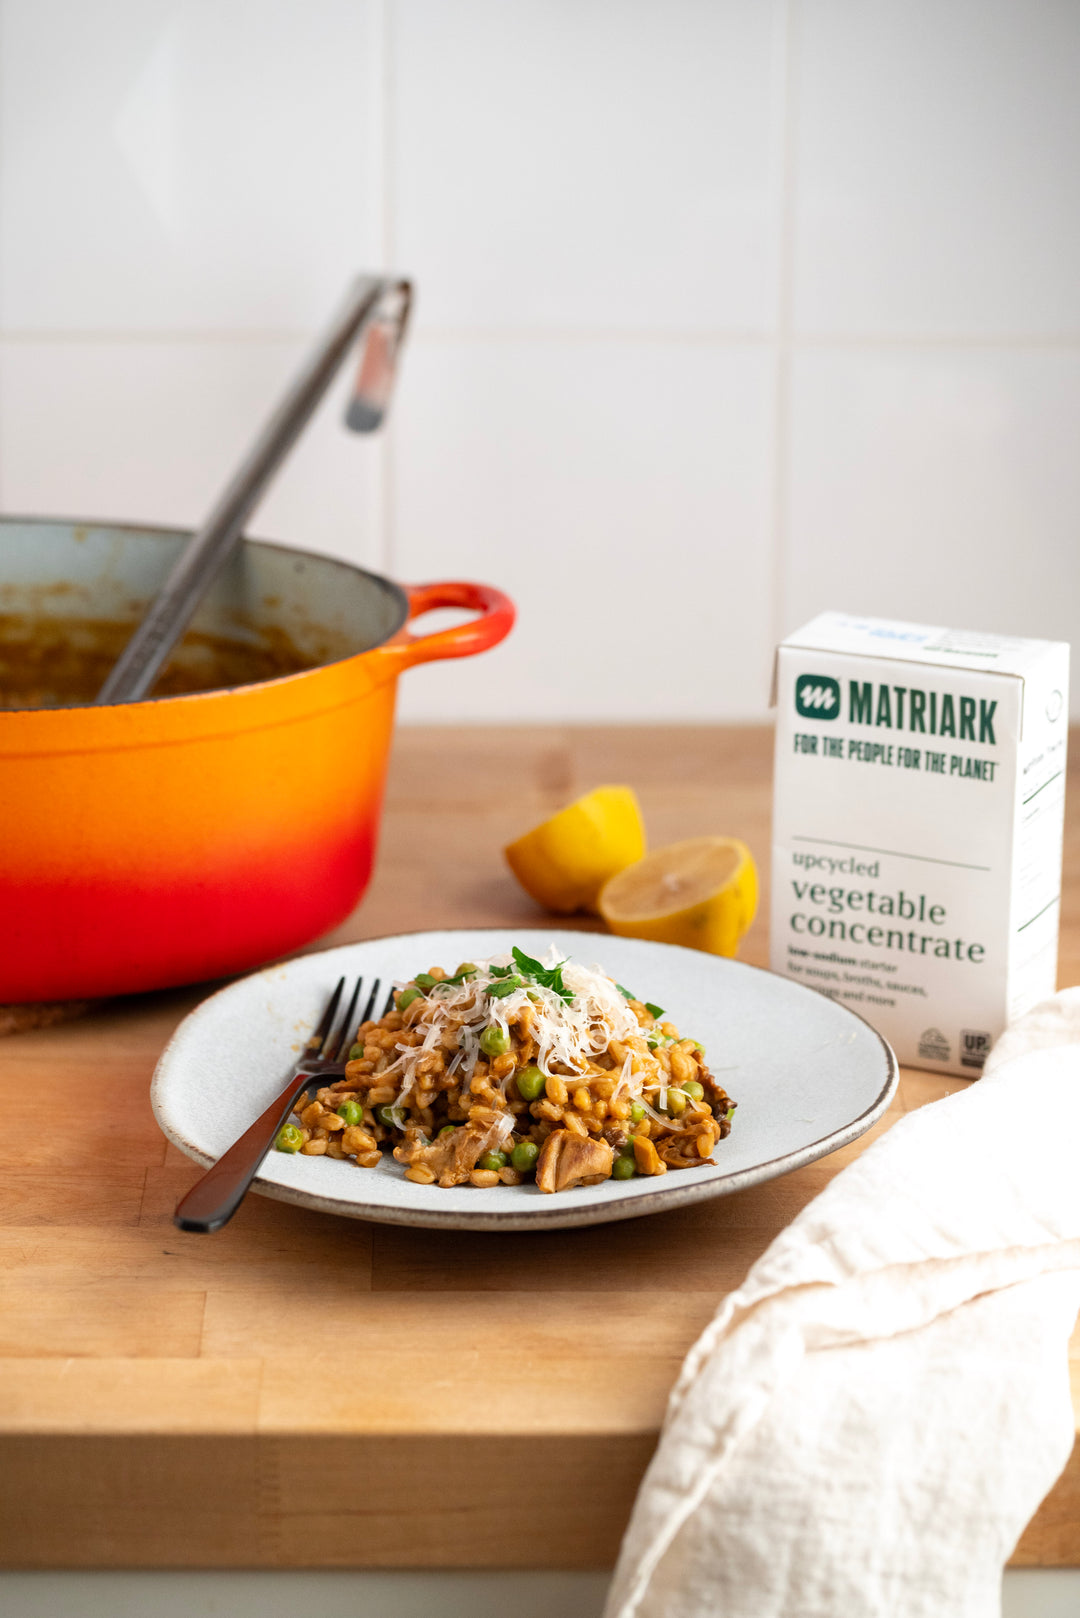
column 921, row 643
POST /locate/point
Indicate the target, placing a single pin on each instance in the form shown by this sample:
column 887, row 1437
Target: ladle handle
column 135, row 671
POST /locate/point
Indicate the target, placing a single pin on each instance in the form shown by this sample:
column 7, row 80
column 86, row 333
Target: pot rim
column 394, row 589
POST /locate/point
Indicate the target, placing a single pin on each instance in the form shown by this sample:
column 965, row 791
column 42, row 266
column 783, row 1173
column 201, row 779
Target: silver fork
column 215, row 1197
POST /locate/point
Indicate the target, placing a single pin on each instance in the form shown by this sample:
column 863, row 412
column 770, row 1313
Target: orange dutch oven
column 201, row 833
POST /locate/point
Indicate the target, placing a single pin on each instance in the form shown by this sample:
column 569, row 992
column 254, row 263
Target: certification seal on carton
column 917, row 827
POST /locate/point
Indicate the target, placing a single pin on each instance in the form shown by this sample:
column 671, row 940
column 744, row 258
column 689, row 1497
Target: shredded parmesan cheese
column 567, row 1033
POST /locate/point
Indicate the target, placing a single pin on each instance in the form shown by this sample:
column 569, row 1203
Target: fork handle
column 214, row 1198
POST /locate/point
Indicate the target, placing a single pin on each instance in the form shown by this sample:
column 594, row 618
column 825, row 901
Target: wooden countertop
column 304, row 1391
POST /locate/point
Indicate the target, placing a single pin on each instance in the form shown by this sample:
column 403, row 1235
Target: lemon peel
column 565, row 861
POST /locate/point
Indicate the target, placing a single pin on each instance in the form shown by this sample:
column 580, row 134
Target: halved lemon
column 702, row 893
column 564, row 862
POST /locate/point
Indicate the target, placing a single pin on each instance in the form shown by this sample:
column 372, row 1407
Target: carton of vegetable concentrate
column 917, row 828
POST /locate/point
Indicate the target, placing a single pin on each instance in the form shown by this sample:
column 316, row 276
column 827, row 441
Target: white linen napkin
column 870, row 1421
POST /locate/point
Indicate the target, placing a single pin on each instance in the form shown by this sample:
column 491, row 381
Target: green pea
column 628, row 1149
column 694, row 1089
column 407, row 996
column 676, row 1103
column 447, row 1129
column 290, row 1139
column 524, row 1155
column 623, row 1168
column 352, row 1112
column 530, row 1083
column 492, row 1160
column 385, row 1116
column 637, row 1112
column 355, row 1052
column 495, row 1041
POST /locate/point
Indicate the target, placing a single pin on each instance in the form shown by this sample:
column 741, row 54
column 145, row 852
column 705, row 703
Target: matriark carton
column 917, row 828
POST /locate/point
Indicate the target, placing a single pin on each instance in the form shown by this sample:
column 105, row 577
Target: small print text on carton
column 917, row 828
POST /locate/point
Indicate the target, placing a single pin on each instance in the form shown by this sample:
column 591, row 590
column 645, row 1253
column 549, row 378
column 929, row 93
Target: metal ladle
column 378, row 303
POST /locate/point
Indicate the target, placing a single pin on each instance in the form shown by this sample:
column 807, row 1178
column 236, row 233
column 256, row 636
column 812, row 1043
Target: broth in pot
column 48, row 662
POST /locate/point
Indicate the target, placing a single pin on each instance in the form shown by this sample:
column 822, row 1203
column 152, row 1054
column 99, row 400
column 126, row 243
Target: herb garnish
column 425, row 981
column 628, row 994
column 499, row 991
column 545, row 977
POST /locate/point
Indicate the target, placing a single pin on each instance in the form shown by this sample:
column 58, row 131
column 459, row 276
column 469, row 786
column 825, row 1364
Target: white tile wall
column 937, row 483
column 620, row 492
column 729, row 310
column 600, row 166
column 153, row 429
column 937, row 161
column 191, row 166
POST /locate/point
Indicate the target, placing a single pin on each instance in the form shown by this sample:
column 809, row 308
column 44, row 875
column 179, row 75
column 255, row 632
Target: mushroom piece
column 683, row 1151
column 453, row 1156
column 718, row 1100
column 567, row 1160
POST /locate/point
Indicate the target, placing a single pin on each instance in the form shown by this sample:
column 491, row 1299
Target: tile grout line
column 784, row 294
column 388, row 246
column 4, row 43
column 374, row 540
column 1038, row 341
column 721, row 337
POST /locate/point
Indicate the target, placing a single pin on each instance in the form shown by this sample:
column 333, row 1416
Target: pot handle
column 497, row 614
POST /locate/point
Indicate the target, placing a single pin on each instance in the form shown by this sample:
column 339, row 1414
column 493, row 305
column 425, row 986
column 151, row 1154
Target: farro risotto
column 514, row 1068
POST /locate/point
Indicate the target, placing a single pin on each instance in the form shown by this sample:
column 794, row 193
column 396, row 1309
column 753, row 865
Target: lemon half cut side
column 564, row 862
column 702, row 893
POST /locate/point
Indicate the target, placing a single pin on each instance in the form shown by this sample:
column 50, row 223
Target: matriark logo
column 817, row 696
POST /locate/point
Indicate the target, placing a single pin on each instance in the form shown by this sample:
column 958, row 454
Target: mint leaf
column 654, row 1011
column 425, row 981
column 456, row 981
column 526, row 963
column 547, row 977
column 499, row 991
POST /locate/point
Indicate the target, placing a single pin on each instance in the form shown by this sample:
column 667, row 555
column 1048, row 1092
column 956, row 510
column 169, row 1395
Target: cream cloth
column 867, row 1425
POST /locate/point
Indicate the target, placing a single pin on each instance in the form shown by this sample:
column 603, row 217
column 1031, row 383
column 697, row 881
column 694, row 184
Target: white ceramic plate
column 808, row 1075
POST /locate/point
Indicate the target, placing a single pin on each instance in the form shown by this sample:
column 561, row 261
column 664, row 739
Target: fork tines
column 335, row 1046
column 326, row 1021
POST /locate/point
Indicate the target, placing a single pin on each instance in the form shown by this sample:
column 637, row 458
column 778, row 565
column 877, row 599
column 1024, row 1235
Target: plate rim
column 662, row 1199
